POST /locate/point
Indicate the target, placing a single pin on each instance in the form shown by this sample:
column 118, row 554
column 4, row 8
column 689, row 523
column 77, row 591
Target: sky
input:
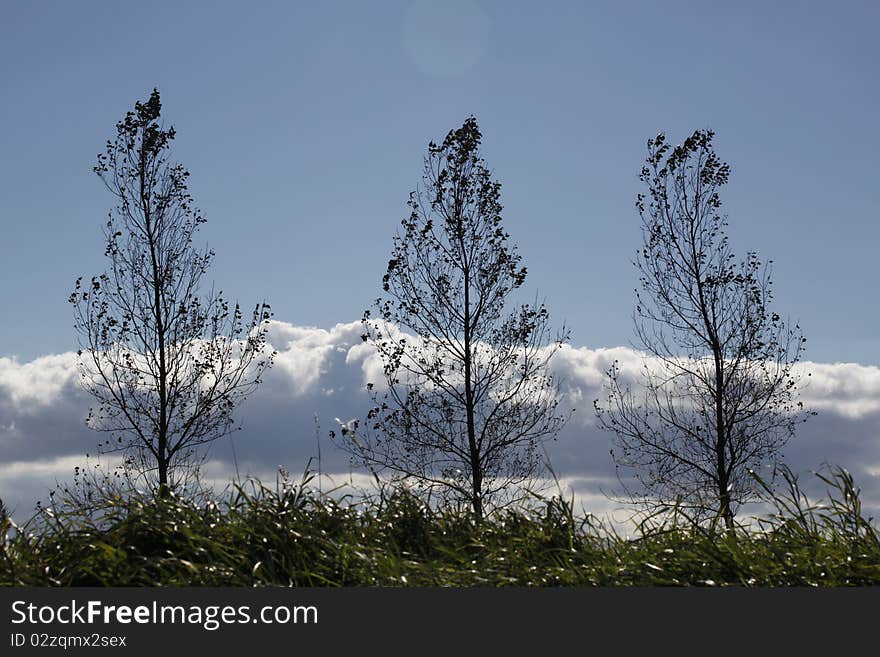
column 304, row 126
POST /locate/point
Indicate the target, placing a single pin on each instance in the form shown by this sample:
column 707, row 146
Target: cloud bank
column 321, row 374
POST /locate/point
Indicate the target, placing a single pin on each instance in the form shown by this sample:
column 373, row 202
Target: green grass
column 291, row 535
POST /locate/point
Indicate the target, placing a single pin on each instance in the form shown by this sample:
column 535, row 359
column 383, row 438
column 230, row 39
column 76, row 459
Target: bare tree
column 718, row 395
column 166, row 364
column 468, row 397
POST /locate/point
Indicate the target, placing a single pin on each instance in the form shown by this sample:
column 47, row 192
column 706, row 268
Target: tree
column 718, row 393
column 166, row 364
column 468, row 398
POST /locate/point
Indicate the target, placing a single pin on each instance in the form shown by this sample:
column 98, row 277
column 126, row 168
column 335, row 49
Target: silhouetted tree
column 468, row 398
column 718, row 396
column 166, row 364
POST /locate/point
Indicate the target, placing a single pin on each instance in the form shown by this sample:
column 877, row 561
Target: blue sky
column 304, row 125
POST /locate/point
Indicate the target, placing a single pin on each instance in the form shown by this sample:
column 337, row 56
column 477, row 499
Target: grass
column 291, row 535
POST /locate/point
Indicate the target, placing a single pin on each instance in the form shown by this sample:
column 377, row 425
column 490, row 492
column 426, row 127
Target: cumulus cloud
column 846, row 389
column 38, row 383
column 321, row 374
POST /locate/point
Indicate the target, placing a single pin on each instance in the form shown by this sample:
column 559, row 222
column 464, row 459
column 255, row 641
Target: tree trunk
column 724, row 507
column 164, row 490
column 157, row 283
column 476, row 469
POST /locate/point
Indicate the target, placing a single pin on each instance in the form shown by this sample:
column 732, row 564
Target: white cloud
column 321, row 373
column 848, row 389
column 60, row 467
column 39, row 382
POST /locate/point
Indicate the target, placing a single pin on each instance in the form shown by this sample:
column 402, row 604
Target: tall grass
column 291, row 534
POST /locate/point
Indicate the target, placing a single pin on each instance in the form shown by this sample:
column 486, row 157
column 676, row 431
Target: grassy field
column 291, row 535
